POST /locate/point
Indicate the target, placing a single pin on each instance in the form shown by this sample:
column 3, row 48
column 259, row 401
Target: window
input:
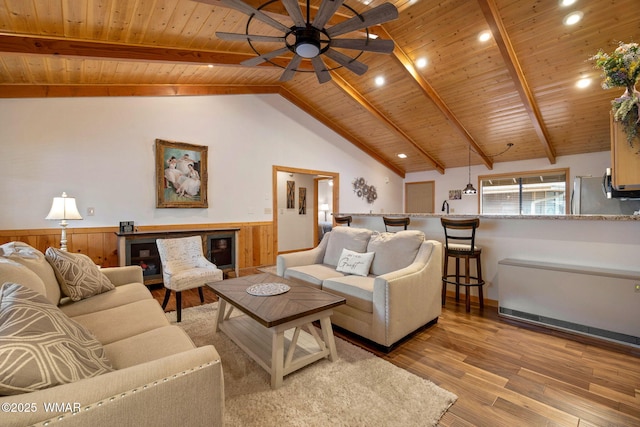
column 526, row 193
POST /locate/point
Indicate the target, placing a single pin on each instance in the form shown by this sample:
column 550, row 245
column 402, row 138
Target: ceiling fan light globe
column 307, row 49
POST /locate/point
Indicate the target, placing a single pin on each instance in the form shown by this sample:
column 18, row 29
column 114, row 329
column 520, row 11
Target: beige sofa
column 157, row 375
column 399, row 293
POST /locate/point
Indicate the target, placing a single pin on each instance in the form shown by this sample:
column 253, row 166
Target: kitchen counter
column 602, row 241
column 499, row 216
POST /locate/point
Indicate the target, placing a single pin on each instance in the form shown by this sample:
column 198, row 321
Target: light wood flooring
column 511, row 374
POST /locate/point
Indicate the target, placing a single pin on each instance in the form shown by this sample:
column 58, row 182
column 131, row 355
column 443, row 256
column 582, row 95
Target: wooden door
column 419, row 197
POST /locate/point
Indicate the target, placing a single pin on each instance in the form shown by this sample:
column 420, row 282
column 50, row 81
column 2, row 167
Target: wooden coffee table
column 273, row 325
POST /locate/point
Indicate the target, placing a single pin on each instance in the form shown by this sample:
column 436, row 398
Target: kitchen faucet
column 445, row 204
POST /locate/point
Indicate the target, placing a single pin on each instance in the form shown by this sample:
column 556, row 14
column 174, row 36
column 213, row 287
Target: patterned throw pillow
column 351, row 262
column 79, row 277
column 40, row 346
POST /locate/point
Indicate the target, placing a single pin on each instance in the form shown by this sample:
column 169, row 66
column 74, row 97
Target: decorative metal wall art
column 364, row 190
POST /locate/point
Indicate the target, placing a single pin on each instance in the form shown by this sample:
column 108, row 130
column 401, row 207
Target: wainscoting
column 256, row 243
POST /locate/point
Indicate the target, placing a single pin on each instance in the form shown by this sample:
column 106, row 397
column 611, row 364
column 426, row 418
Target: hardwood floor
column 512, row 374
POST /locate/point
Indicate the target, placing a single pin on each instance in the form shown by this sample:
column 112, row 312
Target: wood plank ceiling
column 519, row 87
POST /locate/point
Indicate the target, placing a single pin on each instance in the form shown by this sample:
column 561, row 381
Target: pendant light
column 469, row 190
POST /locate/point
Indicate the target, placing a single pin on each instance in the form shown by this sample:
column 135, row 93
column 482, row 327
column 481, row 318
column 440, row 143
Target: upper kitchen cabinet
column 625, row 160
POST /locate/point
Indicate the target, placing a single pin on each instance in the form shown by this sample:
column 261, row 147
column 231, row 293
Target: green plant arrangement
column 622, row 69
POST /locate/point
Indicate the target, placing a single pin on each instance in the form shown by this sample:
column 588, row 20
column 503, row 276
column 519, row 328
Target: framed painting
column 181, row 175
column 291, row 194
column 302, row 201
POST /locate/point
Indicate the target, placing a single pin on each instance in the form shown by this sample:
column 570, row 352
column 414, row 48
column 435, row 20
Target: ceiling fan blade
column 291, row 68
column 294, row 11
column 378, row 15
column 325, row 12
column 248, row 37
column 368, row 45
column 356, row 66
column 321, row 70
column 251, row 11
column 262, row 58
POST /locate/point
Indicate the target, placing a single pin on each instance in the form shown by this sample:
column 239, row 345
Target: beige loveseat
column 156, row 376
column 399, row 293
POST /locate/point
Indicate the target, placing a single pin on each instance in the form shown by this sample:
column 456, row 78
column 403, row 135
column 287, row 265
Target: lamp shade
column 324, row 207
column 64, row 208
column 469, row 190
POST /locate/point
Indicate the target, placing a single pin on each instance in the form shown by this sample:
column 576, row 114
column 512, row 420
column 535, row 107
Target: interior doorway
column 296, row 203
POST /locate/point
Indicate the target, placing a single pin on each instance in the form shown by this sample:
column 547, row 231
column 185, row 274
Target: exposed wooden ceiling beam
column 61, row 91
column 431, row 93
column 338, row 129
column 360, row 99
column 492, row 15
column 36, row 45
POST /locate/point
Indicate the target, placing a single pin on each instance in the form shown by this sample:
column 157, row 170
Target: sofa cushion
column 148, row 346
column 394, row 250
column 40, row 347
column 124, row 321
column 354, row 239
column 121, row 295
column 35, row 261
column 79, row 277
column 357, row 263
column 313, row 273
column 17, row 273
column 357, row 290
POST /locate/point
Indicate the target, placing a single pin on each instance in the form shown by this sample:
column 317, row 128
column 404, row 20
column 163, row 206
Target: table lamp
column 324, row 207
column 63, row 208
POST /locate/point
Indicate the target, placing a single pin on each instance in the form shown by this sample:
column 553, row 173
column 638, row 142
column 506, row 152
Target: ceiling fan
column 310, row 39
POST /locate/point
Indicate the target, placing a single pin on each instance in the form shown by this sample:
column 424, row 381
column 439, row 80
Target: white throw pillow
column 357, row 263
column 354, row 239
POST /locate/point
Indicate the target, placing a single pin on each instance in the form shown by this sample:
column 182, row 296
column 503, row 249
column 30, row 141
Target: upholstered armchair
column 184, row 267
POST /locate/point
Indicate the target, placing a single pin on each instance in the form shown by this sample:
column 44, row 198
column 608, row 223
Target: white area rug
column 359, row 389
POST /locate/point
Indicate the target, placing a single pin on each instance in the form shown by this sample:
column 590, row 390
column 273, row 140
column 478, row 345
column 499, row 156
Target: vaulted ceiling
column 518, row 87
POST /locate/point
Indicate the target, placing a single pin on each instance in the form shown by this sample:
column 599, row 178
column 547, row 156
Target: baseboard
column 488, row 302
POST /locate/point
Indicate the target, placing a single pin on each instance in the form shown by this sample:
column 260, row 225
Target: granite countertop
column 499, row 216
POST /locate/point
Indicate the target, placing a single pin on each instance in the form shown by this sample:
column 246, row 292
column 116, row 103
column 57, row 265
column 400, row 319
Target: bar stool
column 343, row 220
column 463, row 233
column 395, row 222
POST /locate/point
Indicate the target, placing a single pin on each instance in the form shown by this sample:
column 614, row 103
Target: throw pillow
column 35, row 261
column 40, row 346
column 13, row 272
column 354, row 239
column 355, row 263
column 79, row 277
column 394, row 251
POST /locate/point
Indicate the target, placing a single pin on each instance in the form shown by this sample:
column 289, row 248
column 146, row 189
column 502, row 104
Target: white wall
column 101, row 151
column 592, row 164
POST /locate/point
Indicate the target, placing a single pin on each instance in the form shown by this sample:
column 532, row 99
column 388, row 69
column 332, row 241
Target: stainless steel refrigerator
column 588, row 198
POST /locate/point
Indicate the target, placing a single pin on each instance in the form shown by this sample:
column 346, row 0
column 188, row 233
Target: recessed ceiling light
column 379, row 80
column 421, row 62
column 583, row 82
column 573, row 18
column 484, row 36
column 565, row 3
column 402, row 155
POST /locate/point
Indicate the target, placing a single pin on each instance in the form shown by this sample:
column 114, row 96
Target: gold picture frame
column 181, row 175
